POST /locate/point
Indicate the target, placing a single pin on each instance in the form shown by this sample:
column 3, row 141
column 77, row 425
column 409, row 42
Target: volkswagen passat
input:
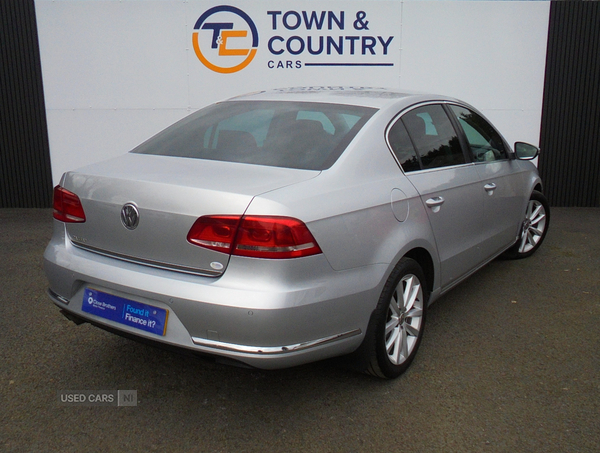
column 289, row 226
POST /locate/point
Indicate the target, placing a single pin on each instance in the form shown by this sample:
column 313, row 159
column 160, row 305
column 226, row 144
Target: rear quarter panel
column 348, row 207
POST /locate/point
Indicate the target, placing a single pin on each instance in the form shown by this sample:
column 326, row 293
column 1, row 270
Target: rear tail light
column 67, row 206
column 254, row 236
column 214, row 232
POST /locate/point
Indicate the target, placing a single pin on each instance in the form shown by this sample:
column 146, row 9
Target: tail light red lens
column 67, row 206
column 274, row 237
column 254, row 236
column 214, row 232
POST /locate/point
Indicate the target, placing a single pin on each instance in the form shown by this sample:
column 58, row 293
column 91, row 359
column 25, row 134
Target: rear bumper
column 264, row 313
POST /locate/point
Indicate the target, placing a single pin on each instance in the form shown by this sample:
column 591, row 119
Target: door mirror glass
column 525, row 151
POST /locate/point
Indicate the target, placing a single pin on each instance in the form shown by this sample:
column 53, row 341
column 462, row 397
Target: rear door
column 429, row 151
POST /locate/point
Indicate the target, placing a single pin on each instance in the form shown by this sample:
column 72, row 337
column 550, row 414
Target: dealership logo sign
column 225, row 39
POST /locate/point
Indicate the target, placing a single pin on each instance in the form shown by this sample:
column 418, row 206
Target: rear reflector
column 254, row 236
column 67, row 206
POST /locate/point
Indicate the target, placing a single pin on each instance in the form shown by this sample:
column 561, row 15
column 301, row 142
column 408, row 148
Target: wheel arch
column 424, row 259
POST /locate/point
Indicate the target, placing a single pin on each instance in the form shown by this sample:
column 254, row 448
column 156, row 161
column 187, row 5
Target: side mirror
column 525, row 151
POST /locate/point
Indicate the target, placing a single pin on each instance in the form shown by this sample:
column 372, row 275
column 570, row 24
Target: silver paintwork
column 364, row 213
column 170, row 194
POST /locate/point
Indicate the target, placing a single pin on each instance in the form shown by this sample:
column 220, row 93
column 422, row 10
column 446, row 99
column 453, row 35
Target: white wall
column 116, row 72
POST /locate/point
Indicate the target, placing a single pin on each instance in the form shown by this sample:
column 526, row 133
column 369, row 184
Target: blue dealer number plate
column 124, row 311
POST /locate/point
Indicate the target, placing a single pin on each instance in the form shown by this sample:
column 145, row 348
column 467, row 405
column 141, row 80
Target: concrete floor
column 510, row 362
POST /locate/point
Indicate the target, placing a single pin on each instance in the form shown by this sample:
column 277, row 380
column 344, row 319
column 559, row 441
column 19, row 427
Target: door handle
column 489, row 188
column 435, row 203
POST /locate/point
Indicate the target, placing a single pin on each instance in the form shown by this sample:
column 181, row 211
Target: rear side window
column 300, row 135
column 433, row 136
column 403, row 147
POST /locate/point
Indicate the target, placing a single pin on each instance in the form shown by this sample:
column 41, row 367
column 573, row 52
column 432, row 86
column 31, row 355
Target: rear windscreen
column 300, row 135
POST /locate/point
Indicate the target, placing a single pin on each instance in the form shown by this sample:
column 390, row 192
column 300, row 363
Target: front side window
column 300, row 135
column 433, row 136
column 485, row 143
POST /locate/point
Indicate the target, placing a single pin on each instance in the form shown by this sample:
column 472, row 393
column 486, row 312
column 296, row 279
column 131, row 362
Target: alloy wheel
column 533, row 226
column 404, row 319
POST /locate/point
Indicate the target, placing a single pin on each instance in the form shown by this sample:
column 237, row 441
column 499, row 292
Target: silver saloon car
column 292, row 225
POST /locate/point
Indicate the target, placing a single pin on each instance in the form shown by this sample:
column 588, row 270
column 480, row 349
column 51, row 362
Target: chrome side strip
column 273, row 349
column 150, row 263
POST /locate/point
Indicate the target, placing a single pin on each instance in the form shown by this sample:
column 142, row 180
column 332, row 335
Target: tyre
column 396, row 326
column 533, row 229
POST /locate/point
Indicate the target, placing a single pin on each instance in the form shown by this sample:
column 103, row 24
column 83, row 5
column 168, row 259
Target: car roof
column 361, row 96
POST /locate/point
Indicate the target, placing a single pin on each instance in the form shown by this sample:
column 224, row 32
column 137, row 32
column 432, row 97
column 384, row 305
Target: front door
column 502, row 183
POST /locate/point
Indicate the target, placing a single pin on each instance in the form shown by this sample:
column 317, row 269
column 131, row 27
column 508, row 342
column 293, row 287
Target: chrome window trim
column 397, row 117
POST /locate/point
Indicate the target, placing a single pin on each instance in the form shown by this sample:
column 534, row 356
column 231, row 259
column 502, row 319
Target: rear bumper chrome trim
column 270, row 350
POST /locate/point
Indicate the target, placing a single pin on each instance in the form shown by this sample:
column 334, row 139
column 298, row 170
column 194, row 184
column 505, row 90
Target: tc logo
column 225, row 39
